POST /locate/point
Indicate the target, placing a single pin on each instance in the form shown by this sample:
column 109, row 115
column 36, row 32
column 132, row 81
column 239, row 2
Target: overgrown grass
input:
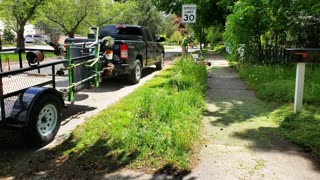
column 301, row 128
column 156, row 126
column 275, row 84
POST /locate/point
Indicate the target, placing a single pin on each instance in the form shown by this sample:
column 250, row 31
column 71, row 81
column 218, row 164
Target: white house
column 29, row 29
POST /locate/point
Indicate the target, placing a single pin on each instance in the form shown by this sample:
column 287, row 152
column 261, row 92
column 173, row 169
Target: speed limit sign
column 189, row 12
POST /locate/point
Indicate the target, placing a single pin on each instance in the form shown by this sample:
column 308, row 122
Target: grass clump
column 156, row 126
column 301, row 128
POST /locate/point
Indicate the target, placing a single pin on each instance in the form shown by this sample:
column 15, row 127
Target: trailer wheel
column 135, row 75
column 160, row 64
column 44, row 120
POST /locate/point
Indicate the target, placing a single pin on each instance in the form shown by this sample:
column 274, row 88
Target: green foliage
column 85, row 14
column 246, row 24
column 219, row 48
column 209, row 13
column 114, row 13
column 169, row 26
column 214, row 35
column 265, row 27
column 155, row 126
column 17, row 13
column 8, row 36
column 149, row 15
column 70, row 15
column 176, row 37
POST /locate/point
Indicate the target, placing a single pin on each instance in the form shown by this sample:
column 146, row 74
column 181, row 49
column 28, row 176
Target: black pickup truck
column 134, row 47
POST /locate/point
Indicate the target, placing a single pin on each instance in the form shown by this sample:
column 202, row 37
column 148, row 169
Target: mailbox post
column 301, row 56
column 298, row 96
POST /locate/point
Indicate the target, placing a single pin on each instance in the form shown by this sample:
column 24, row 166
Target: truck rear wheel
column 44, row 120
column 160, row 64
column 135, row 75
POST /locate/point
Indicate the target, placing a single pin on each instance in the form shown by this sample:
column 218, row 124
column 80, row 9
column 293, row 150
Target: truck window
column 153, row 35
column 148, row 35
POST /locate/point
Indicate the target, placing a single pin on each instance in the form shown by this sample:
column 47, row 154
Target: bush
column 8, row 36
column 176, row 37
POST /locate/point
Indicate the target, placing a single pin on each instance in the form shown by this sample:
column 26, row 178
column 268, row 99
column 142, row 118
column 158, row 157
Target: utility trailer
column 32, row 97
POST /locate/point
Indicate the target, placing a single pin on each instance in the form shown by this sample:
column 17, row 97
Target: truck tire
column 43, row 121
column 135, row 74
column 160, row 64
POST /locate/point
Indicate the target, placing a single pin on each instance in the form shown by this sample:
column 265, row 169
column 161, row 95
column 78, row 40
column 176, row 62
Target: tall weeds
column 159, row 122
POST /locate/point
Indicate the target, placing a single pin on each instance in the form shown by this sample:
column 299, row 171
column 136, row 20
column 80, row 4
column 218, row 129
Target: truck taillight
column 124, row 51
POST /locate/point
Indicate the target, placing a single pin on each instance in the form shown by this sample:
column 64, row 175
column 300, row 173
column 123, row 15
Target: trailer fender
column 23, row 105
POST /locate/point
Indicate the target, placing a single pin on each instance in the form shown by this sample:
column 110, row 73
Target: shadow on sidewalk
column 238, row 118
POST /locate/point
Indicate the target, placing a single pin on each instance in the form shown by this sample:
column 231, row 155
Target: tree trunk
column 20, row 37
column 70, row 34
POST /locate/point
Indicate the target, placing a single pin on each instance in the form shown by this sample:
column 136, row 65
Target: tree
column 169, row 6
column 49, row 28
column 169, row 25
column 17, row 13
column 245, row 26
column 265, row 27
column 114, row 13
column 149, row 15
column 138, row 12
column 70, row 15
column 209, row 13
column 214, row 35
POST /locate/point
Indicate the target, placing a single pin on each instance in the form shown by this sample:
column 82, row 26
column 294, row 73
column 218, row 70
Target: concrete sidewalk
column 238, row 144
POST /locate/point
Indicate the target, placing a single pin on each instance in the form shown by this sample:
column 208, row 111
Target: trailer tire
column 136, row 72
column 43, row 121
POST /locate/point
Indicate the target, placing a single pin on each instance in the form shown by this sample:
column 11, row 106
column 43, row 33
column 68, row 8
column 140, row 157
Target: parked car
column 45, row 38
column 31, row 38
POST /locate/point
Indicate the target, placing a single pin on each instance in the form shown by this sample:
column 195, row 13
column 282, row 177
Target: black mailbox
column 309, row 55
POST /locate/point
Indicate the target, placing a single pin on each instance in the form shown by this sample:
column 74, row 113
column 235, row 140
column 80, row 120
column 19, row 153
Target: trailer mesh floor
column 20, row 81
